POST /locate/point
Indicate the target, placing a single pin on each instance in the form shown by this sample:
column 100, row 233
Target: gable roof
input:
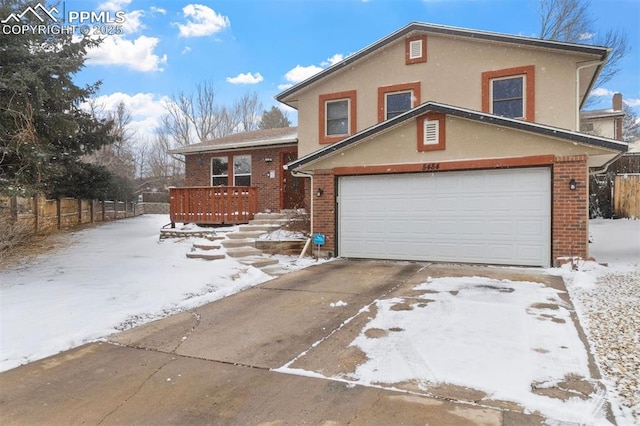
column 482, row 117
column 598, row 51
column 254, row 139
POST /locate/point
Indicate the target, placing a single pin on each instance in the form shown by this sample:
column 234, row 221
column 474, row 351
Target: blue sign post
column 318, row 240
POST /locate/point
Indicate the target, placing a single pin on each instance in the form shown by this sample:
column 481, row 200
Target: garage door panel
column 494, row 216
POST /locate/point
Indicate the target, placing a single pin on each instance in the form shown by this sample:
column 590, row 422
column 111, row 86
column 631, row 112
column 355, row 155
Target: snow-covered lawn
column 496, row 336
column 109, row 278
column 608, row 303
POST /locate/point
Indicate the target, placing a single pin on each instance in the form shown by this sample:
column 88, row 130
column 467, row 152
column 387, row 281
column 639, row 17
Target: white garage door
column 484, row 216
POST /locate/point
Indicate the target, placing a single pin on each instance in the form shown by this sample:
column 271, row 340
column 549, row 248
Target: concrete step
column 258, row 261
column 205, row 255
column 243, row 252
column 245, row 235
column 278, row 222
column 242, row 242
column 275, row 270
column 269, row 216
column 258, row 227
column 205, row 246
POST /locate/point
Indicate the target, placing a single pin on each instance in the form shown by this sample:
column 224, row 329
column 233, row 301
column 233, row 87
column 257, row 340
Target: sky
column 265, row 46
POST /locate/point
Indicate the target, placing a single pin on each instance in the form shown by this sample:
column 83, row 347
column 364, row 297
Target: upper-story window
column 397, row 103
column 220, row 171
column 396, row 99
column 337, row 116
column 509, row 92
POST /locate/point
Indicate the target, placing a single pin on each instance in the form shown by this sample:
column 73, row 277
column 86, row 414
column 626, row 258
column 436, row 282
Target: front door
column 292, row 187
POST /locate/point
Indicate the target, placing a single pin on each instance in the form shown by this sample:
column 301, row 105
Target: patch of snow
column 500, row 337
column 283, row 235
column 110, row 278
column 338, row 304
column 607, row 300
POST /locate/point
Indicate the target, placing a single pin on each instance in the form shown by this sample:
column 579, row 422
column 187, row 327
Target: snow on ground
column 506, row 338
column 607, row 299
column 109, row 278
column 500, row 337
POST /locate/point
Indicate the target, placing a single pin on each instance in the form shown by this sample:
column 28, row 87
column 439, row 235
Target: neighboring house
column 614, row 190
column 604, row 122
column 250, row 159
column 447, row 144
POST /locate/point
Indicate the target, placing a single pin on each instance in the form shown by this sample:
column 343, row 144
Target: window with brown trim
column 229, row 170
column 431, row 131
column 337, row 116
column 396, row 99
column 220, row 171
column 510, row 92
column 415, row 49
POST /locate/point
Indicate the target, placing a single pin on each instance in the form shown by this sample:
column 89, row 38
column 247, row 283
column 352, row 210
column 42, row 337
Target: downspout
column 603, row 169
column 310, row 176
column 580, row 67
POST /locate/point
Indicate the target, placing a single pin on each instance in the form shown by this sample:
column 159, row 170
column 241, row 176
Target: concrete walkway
column 214, row 365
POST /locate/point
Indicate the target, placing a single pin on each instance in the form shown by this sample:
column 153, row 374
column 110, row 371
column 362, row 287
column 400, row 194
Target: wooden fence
column 626, row 195
column 43, row 215
column 213, row 204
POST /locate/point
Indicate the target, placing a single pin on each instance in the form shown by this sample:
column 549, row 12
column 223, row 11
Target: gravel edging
column 610, row 314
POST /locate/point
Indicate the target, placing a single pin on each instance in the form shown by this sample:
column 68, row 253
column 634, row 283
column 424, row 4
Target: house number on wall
column 430, row 166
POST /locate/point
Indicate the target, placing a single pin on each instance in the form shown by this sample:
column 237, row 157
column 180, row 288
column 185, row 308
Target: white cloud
column 602, row 92
column 299, row 73
column 247, row 78
column 333, row 60
column 586, row 36
column 201, row 21
column 158, row 10
column 114, row 5
column 633, row 103
column 133, row 23
column 186, row 50
column 146, row 109
column 135, row 54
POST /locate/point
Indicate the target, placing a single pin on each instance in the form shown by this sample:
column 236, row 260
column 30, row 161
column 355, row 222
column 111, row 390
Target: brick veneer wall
column 198, row 172
column 570, row 219
column 570, row 208
column 324, row 208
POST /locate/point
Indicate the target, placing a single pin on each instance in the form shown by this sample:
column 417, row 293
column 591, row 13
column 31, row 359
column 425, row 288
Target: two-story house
column 447, row 144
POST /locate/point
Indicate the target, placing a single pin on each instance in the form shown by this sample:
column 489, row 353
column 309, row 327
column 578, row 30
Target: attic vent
column 415, row 49
column 431, row 132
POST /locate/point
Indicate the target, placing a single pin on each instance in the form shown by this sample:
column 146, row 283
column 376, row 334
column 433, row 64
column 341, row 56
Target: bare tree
column 570, row 21
column 565, row 20
column 196, row 117
column 118, row 157
column 630, row 125
column 247, row 110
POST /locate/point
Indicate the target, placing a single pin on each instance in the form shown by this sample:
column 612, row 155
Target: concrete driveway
column 214, row 365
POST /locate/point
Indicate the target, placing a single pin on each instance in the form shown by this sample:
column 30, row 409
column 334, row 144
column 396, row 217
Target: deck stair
column 241, row 244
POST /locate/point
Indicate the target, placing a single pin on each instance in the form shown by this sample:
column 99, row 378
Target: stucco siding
column 451, row 75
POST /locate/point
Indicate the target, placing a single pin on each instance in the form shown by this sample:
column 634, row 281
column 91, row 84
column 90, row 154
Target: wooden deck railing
column 213, row 205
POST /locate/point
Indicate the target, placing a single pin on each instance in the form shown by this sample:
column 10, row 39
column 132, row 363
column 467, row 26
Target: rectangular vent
column 415, row 49
column 431, row 132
